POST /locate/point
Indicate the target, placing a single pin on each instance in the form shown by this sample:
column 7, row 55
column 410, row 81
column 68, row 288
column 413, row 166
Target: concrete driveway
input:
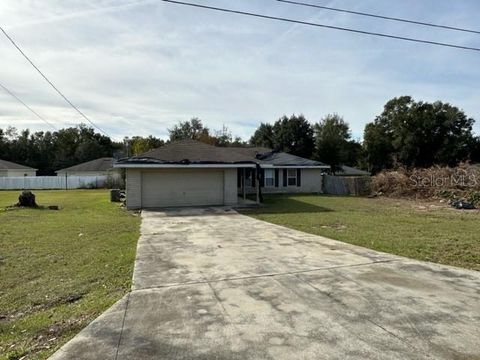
column 214, row 284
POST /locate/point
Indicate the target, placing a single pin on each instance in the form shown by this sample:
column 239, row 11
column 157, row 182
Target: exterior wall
column 311, row 182
column 134, row 184
column 18, row 173
column 230, row 196
column 133, row 188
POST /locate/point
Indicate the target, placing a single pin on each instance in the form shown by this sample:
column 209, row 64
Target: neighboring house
column 97, row 167
column 351, row 171
column 11, row 169
column 191, row 173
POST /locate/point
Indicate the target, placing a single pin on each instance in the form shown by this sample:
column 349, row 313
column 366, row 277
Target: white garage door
column 182, row 188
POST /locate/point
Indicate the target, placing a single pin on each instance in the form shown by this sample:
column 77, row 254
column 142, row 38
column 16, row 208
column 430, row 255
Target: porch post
column 243, row 184
column 257, row 187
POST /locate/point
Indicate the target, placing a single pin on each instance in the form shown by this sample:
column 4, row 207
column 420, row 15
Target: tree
column 418, row 134
column 79, row 144
column 223, row 137
column 192, row 129
column 138, row 145
column 377, row 147
column 47, row 151
column 475, row 150
column 293, row 135
column 332, row 142
column 263, row 136
column 195, row 130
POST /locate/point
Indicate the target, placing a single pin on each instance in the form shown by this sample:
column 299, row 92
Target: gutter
column 212, row 165
column 181, row 166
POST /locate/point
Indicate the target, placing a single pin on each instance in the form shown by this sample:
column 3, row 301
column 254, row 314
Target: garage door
column 182, row 188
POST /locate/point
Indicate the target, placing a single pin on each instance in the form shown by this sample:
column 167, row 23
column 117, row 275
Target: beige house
column 97, row 167
column 191, row 173
column 10, row 169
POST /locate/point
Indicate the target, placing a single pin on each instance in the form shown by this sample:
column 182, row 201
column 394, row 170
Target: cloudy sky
column 138, row 67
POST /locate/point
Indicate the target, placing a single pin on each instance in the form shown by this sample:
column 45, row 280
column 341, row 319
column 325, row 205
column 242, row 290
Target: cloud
column 138, row 67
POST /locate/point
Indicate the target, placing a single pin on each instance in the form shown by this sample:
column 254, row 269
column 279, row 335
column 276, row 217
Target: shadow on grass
column 281, row 204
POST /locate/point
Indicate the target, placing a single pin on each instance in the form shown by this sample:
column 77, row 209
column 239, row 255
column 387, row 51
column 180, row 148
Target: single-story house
column 98, row 167
column 10, row 169
column 192, row 173
column 351, row 171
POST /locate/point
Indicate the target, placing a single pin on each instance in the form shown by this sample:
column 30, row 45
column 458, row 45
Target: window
column 292, row 177
column 269, row 177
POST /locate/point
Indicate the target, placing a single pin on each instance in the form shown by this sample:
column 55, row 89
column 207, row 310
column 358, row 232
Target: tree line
column 407, row 133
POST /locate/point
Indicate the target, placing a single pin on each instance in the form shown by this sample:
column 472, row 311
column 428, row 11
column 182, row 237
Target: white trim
column 216, row 166
column 292, row 177
column 267, row 166
column 273, row 178
column 181, row 166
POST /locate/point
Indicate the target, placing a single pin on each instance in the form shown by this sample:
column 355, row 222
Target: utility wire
column 51, row 84
column 238, row 12
column 380, row 16
column 28, row 107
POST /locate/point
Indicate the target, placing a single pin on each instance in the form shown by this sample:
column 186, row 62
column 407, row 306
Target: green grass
column 424, row 231
column 60, row 269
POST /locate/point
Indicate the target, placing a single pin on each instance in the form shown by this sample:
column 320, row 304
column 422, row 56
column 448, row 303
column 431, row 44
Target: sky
column 137, row 67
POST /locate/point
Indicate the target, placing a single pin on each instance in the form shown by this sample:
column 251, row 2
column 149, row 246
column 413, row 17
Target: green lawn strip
column 407, row 228
column 60, row 269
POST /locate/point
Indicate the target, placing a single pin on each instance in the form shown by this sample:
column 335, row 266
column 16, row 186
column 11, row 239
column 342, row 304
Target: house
column 97, row 167
column 351, row 171
column 11, row 169
column 191, row 173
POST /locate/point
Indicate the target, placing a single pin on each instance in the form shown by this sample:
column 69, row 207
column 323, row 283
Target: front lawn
column 424, row 231
column 60, row 269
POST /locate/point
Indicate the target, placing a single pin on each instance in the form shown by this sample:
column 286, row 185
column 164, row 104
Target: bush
column 114, row 182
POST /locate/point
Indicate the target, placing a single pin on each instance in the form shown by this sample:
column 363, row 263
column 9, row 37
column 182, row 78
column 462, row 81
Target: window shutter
column 276, row 178
column 239, row 177
column 284, row 177
column 299, row 177
column 262, row 177
column 254, row 178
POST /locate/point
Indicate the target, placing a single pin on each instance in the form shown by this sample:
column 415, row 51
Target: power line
column 380, row 16
column 238, row 12
column 28, row 107
column 51, row 84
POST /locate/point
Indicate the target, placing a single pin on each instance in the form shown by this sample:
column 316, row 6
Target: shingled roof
column 351, row 171
column 101, row 164
column 192, row 151
column 8, row 165
column 284, row 159
column 186, row 152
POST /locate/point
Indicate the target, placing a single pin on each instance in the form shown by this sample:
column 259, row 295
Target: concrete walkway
column 213, row 284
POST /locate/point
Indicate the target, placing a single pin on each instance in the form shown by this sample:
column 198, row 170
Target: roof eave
column 295, row 166
column 179, row 166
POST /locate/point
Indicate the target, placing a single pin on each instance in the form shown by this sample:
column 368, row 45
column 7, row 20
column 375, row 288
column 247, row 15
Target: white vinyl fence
column 52, row 182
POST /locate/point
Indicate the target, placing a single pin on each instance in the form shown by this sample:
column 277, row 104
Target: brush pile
column 461, row 183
